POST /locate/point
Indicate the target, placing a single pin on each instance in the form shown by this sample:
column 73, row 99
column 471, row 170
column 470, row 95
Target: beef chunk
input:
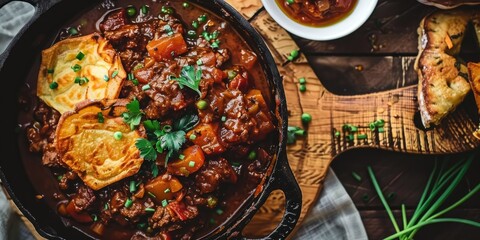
column 113, row 20
column 162, row 217
column 83, row 198
column 213, row 174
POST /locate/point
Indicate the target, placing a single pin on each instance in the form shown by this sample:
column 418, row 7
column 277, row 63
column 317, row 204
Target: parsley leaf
column 190, row 78
column 172, row 141
column 186, row 123
column 147, row 151
column 133, row 116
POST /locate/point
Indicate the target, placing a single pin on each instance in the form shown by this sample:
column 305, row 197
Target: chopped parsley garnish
column 80, row 56
column 190, row 78
column 166, row 138
column 146, row 148
column 133, row 116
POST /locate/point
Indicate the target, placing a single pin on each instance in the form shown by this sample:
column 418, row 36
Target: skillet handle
column 40, row 6
column 284, row 180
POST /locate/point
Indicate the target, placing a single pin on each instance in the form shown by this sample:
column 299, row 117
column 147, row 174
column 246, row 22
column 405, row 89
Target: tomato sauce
column 317, row 13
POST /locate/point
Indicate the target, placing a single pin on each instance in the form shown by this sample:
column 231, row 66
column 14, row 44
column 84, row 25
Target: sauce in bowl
column 317, row 13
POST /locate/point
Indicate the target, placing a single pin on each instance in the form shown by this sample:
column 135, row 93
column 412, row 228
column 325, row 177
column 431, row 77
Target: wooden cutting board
column 311, row 156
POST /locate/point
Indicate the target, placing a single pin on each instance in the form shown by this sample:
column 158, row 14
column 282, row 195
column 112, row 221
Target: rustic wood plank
column 248, row 8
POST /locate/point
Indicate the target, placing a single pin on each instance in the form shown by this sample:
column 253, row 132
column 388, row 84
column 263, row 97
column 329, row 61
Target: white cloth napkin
column 333, row 217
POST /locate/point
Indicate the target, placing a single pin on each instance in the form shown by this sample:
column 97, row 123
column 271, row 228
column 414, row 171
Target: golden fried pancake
column 442, row 79
column 78, row 78
column 88, row 146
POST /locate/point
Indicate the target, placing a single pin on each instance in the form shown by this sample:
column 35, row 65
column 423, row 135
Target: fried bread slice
column 79, row 68
column 474, row 77
column 442, row 78
column 86, row 143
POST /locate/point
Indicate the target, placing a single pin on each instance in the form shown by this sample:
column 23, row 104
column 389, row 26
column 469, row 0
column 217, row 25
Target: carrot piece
column 167, row 47
column 192, row 161
column 448, row 41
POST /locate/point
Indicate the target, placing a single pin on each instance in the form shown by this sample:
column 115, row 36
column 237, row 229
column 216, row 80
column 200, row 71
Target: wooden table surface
column 383, row 47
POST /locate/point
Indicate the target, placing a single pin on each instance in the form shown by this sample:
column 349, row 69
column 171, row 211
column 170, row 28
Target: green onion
column 149, row 210
column 181, row 156
column 199, row 62
column 151, row 195
column 379, row 123
column 381, row 130
column 106, row 78
column 223, row 119
column 300, row 132
column 303, row 88
column 135, row 82
column 202, row 104
column 94, row 217
column 115, row 73
column 302, row 80
column 206, row 35
column 191, row 164
column 349, row 137
column 337, row 134
column 193, row 137
column 50, row 70
column 185, row 4
column 290, row 2
column 194, row 24
column 53, row 85
column 306, row 118
column 372, row 126
column 219, row 211
column 164, row 202
column 252, row 155
column 191, row 34
column 361, row 136
column 133, row 186
column 76, row 67
column 81, row 80
column 117, row 135
column 80, row 56
column 128, row 203
column 356, row 176
column 215, row 44
column 144, row 9
column 131, row 11
column 100, row 117
column 382, row 198
column 202, row 18
column 72, row 31
column 105, row 207
column 145, row 87
column 215, row 34
column 167, row 190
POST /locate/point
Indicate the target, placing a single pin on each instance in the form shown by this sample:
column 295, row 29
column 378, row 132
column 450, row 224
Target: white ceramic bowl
column 360, row 14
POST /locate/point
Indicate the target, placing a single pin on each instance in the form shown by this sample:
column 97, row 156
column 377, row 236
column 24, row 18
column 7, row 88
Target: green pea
column 202, row 104
column 306, row 118
column 131, row 11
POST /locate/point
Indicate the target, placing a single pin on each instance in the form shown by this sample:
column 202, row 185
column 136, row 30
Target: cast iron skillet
column 19, row 57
